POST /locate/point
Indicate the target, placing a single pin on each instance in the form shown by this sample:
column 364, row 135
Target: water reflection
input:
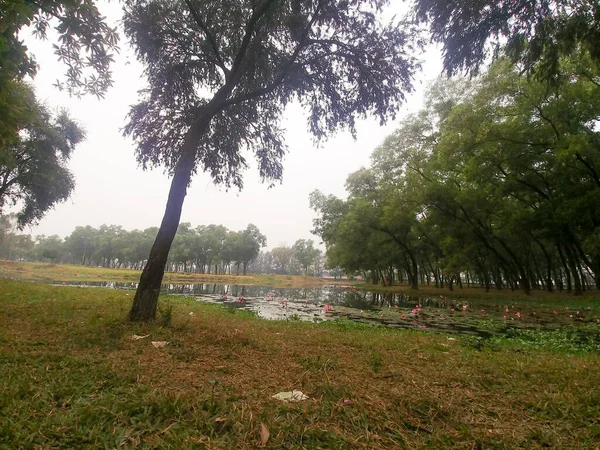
column 393, row 310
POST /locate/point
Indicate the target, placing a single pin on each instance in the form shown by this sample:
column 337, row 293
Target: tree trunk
column 146, row 296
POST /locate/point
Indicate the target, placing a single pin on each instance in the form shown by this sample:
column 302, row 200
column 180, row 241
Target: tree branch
column 589, row 167
column 302, row 44
column 250, row 26
column 209, row 36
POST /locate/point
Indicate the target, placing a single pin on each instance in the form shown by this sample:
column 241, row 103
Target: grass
column 45, row 272
column 72, row 377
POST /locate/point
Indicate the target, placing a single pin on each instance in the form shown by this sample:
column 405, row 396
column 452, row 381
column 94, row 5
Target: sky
column 112, row 189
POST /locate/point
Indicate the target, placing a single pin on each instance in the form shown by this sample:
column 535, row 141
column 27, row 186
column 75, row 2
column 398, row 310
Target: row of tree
column 302, row 258
column 495, row 181
column 203, row 249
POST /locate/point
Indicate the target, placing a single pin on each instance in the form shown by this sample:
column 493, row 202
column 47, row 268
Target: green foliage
column 225, row 83
column 563, row 340
column 538, row 33
column 305, row 255
column 495, row 181
column 197, row 249
column 85, row 44
column 35, row 145
column 282, row 259
column 33, row 164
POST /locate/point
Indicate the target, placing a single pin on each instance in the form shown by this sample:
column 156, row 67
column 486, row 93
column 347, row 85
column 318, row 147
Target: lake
column 393, row 310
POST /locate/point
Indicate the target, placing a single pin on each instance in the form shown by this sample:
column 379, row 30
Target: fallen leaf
column 264, row 434
column 135, row 337
column 290, row 396
column 158, row 344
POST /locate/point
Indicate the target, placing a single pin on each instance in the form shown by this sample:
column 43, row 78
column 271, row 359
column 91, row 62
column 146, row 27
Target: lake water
column 482, row 318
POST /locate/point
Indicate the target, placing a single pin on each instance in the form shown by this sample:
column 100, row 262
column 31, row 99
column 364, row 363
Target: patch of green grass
column 375, row 362
column 72, row 377
column 562, row 340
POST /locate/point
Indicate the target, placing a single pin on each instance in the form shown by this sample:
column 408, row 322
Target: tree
column 80, row 244
column 251, row 240
column 538, row 32
column 12, row 245
column 49, row 248
column 30, row 137
column 33, row 167
column 282, row 258
column 182, row 251
column 216, row 235
column 220, row 74
column 305, row 254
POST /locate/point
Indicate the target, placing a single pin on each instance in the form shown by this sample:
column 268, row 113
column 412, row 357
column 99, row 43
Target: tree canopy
column 535, row 33
column 33, row 166
column 85, row 44
column 202, row 249
column 495, row 179
column 35, row 144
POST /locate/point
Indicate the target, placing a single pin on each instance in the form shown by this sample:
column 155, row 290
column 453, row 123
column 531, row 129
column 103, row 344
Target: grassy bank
column 72, row 377
column 64, row 272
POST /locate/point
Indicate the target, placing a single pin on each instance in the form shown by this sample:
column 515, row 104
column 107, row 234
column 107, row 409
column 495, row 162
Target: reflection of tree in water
column 371, row 300
column 408, row 301
column 332, row 295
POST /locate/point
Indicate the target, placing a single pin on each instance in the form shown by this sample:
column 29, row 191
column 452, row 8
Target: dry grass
column 73, row 378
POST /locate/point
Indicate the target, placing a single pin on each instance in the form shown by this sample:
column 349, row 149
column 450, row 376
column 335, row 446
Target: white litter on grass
column 191, row 313
column 135, row 337
column 159, row 343
column 293, row 396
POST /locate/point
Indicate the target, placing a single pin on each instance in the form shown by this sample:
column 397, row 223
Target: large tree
column 220, row 74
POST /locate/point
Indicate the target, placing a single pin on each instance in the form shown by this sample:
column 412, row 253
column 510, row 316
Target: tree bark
column 146, row 297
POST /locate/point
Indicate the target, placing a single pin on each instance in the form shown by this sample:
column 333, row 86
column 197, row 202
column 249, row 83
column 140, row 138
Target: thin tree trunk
column 146, row 297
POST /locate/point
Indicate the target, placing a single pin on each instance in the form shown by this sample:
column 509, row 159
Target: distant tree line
column 203, row 249
column 496, row 181
column 302, row 258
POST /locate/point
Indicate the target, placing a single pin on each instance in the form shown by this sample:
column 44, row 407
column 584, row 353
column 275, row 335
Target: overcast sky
column 112, row 189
